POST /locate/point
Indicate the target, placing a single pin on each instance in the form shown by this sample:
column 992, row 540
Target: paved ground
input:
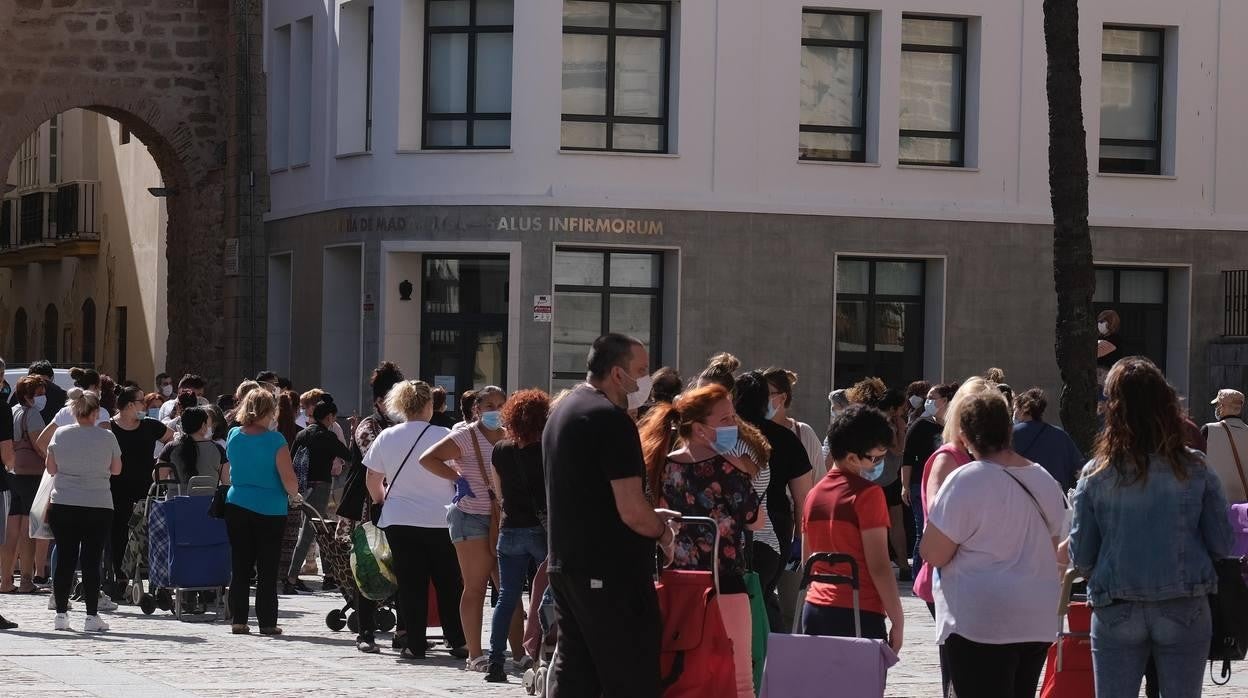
column 159, row 656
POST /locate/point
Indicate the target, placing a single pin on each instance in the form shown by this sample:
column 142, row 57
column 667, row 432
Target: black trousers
column 422, row 555
column 80, row 534
column 609, row 636
column 978, row 670
column 946, row 687
column 768, row 564
column 255, row 544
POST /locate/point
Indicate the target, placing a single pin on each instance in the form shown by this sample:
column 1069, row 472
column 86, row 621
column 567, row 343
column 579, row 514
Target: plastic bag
column 39, row 527
column 371, row 563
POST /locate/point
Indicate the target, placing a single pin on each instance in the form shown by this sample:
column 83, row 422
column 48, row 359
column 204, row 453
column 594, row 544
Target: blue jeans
column 1175, row 633
column 517, row 549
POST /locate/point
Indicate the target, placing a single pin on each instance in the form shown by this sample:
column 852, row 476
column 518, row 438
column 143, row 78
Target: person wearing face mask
column 193, row 453
column 324, row 453
column 164, row 388
column 780, row 383
column 916, row 395
column 28, row 467
column 705, row 478
column 846, row 513
column 603, row 531
column 474, row 517
column 153, row 401
column 138, row 436
column 922, row 439
column 1108, row 344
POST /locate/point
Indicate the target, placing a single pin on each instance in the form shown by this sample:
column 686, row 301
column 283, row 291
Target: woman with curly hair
column 1150, row 519
column 706, row 477
column 517, row 461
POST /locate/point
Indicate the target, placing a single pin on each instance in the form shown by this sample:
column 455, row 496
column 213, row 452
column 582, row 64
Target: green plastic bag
column 759, row 626
column 371, row 563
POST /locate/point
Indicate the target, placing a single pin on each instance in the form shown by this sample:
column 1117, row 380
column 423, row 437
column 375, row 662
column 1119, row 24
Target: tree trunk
column 1073, row 276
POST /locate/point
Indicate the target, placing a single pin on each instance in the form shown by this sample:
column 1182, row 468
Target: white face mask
column 41, row 401
column 166, row 390
column 916, row 402
column 639, row 396
column 1102, row 327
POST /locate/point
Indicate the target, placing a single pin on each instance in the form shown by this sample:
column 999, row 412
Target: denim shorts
column 467, row 526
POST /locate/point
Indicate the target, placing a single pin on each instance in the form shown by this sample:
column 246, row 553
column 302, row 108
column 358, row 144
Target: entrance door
column 1140, row 296
column 463, row 335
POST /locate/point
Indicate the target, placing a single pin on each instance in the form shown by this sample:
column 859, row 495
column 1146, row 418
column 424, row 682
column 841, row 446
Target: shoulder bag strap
column 489, row 481
column 1039, row 508
column 409, row 455
column 1235, row 452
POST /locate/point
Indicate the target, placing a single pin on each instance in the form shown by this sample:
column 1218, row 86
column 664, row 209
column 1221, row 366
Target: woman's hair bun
column 77, row 373
column 74, row 393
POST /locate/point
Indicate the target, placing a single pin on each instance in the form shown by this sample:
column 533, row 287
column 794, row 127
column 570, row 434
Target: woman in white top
column 414, row 517
column 474, row 518
column 992, row 534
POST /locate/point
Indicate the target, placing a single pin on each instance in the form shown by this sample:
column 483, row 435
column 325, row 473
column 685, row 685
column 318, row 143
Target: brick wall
column 185, row 77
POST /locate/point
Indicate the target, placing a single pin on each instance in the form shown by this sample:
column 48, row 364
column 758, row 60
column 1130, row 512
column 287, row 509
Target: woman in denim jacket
column 1150, row 518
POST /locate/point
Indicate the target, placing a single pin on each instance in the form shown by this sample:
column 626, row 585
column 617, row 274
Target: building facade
column 82, row 250
column 478, row 188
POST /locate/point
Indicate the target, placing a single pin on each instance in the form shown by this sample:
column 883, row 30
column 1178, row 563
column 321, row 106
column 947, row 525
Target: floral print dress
column 718, row 489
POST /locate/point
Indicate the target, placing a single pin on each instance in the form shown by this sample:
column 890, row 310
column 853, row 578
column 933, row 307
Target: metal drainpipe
column 246, row 213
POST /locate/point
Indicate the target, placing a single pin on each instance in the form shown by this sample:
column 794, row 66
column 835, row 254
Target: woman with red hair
column 517, row 461
column 707, row 476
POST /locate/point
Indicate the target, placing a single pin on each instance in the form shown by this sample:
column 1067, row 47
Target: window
column 28, row 161
column 1131, row 99
column 597, row 292
column 615, row 75
column 834, row 86
column 467, row 74
column 463, row 329
column 20, row 338
column 32, row 206
column 6, row 223
column 301, row 92
column 355, row 77
column 51, row 332
column 1140, row 296
column 88, row 331
column 67, row 211
column 123, row 329
column 879, row 320
column 933, row 91
column 279, row 99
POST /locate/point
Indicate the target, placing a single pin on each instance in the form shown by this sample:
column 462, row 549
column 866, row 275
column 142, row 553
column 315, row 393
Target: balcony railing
column 43, row 218
column 1235, row 322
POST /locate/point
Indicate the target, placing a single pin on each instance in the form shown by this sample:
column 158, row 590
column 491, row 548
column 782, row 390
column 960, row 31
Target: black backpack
column 1229, row 609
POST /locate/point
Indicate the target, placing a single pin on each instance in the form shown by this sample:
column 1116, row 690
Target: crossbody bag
column 485, row 476
column 386, row 495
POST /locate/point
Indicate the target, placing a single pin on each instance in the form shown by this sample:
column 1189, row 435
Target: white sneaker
column 106, row 604
column 94, row 624
column 62, row 622
column 69, row 605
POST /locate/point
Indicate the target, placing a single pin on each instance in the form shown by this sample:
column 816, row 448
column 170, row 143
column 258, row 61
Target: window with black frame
column 835, row 52
column 1140, row 296
column 616, row 75
column 1132, row 65
column 467, row 74
column 879, row 320
column 600, row 291
column 933, row 91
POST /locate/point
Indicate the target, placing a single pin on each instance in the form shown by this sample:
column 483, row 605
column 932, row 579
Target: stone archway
column 170, row 71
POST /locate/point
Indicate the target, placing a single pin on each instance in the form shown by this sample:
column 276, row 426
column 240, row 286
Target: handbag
column 39, row 527
column 760, row 626
column 216, row 508
column 372, row 562
column 376, row 514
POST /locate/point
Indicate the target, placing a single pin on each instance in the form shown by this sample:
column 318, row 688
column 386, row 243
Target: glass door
column 464, row 313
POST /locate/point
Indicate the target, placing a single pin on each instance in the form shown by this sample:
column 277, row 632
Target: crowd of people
column 962, row 491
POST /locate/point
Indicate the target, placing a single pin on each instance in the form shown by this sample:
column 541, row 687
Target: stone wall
column 184, row 76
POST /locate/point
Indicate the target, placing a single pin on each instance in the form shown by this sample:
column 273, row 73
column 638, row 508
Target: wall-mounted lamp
column 162, row 192
column 405, row 290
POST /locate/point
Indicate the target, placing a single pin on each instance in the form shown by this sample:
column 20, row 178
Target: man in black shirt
column 317, row 446
column 603, row 532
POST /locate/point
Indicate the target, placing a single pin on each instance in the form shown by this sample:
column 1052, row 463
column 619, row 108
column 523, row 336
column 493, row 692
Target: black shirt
column 922, row 440
column 788, row 461
column 6, row 434
column 323, row 447
column 588, row 443
column 442, row 419
column 522, row 482
column 56, row 400
column 138, row 456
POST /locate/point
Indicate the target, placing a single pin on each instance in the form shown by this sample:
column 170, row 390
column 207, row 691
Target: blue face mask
column 492, row 419
column 153, row 412
column 929, row 408
column 771, row 409
column 725, row 439
column 875, row 472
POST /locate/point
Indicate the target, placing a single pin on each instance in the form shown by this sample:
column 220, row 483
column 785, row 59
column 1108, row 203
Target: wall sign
column 543, row 309
column 368, row 306
column 231, row 257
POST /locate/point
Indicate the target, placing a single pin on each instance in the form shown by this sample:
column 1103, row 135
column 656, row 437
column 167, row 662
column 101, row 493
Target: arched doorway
column 88, row 332
column 51, row 333
column 190, row 99
column 20, row 329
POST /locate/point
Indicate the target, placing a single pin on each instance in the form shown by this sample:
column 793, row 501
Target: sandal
column 240, row 629
column 274, row 630
column 479, row 664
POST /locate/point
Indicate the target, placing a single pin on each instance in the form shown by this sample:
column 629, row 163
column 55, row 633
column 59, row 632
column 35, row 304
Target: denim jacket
column 1152, row 541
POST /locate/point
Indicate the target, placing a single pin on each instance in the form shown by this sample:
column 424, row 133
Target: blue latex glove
column 462, row 489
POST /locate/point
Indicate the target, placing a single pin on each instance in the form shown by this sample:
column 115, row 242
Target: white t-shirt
column 65, row 418
column 417, row 497
column 1002, row 584
column 166, row 410
column 814, row 447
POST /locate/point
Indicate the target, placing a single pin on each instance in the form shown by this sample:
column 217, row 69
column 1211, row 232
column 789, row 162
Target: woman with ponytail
column 138, row 435
column 193, row 453
column 707, row 477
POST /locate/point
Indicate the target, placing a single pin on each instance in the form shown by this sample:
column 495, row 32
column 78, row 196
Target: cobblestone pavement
column 157, row 655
